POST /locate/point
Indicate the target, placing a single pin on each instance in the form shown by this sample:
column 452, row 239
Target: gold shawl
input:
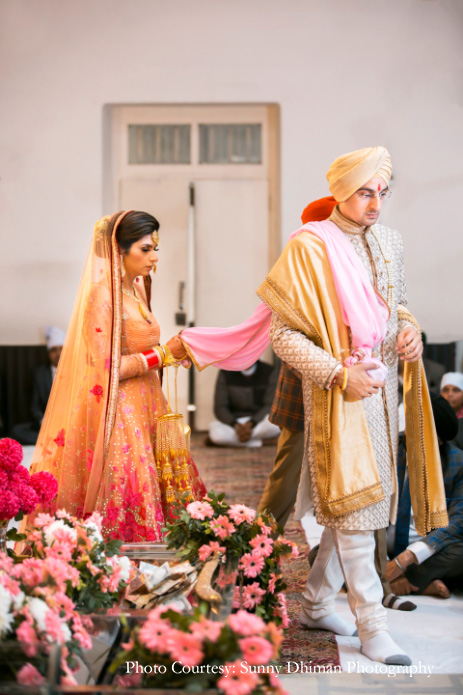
column 300, row 288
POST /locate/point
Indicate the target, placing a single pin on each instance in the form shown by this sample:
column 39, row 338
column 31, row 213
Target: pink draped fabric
column 238, row 347
column 363, row 310
column 234, row 348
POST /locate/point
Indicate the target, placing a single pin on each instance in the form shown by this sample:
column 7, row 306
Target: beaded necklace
column 137, row 299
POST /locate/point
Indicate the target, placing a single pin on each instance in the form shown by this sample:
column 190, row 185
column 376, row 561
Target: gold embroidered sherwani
column 380, row 250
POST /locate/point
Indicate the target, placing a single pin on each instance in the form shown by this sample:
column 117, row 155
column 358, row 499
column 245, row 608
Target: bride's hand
column 175, row 345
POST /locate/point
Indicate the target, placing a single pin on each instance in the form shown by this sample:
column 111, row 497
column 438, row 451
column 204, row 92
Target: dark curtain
column 17, row 365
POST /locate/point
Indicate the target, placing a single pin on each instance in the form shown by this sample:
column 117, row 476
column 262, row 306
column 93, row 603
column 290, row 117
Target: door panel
column 231, row 258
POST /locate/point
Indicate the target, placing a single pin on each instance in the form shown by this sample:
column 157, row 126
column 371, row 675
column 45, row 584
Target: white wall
column 346, row 73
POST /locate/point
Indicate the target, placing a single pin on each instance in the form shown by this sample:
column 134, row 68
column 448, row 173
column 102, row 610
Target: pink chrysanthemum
column 45, row 485
column 200, row 510
column 185, row 648
column 240, row 513
column 251, row 564
column 256, row 650
column 11, row 454
column 238, row 680
column 246, row 623
column 252, row 595
column 10, row 505
column 263, row 545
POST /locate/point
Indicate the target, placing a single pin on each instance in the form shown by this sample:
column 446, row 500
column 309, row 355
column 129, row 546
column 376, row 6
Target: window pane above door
column 230, row 144
column 159, row 144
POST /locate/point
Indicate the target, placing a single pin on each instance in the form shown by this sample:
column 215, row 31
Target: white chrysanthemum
column 6, row 617
column 53, row 528
column 18, row 600
column 66, row 632
column 38, row 610
column 124, row 564
column 93, row 531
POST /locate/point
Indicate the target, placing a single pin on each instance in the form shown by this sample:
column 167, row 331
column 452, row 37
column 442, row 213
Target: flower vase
column 3, row 529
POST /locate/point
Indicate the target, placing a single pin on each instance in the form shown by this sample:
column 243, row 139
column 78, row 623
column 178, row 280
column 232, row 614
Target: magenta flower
column 11, row 453
column 10, row 505
column 45, row 485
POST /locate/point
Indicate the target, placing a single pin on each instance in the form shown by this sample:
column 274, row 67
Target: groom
column 337, row 295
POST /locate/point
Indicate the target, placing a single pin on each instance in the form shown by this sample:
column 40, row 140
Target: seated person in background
column 27, row 432
column 451, row 388
column 434, row 370
column 421, row 564
column 242, row 405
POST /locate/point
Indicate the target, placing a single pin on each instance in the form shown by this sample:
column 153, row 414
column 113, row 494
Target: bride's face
column 141, row 257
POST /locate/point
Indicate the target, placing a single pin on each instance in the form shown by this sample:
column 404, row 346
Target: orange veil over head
column 80, row 414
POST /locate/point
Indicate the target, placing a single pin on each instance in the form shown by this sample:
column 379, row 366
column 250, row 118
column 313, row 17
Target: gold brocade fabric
column 98, row 435
column 349, row 474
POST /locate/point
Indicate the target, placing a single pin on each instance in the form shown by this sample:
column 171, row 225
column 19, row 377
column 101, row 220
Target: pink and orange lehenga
column 98, row 435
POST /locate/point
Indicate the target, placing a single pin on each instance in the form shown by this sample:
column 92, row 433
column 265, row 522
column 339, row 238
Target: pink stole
column 363, row 310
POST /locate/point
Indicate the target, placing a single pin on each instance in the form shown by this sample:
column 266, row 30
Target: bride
column 98, row 436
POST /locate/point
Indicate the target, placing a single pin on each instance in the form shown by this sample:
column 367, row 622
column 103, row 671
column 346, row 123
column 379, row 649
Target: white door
column 231, row 259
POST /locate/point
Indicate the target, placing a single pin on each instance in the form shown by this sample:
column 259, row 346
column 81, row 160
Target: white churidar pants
column 346, row 556
column 223, row 434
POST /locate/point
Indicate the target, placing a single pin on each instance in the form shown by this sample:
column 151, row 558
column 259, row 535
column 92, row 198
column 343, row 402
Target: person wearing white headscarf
column 27, row 432
column 451, row 388
column 348, row 474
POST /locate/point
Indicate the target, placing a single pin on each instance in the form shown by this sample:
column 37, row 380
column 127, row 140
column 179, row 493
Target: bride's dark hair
column 134, row 226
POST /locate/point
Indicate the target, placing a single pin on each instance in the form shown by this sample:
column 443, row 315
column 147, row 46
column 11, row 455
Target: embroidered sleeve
column 301, row 353
column 132, row 365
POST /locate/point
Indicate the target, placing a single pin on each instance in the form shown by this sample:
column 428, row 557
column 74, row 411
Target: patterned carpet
column 242, row 474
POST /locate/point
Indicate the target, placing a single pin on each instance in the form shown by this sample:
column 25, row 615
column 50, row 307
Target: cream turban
column 351, row 171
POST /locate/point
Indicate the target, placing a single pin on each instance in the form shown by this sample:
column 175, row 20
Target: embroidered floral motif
column 98, row 329
column 97, row 391
column 59, row 439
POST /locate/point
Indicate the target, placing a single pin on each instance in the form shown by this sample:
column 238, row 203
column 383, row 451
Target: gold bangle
column 344, row 381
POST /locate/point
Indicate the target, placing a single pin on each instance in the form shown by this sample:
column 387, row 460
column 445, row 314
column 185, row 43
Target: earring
column 154, row 268
column 122, row 268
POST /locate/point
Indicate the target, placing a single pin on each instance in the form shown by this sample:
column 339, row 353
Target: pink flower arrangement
column 243, row 645
column 20, row 491
column 73, row 552
column 37, row 614
column 246, row 538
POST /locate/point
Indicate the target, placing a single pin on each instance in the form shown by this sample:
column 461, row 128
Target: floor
column 432, row 635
